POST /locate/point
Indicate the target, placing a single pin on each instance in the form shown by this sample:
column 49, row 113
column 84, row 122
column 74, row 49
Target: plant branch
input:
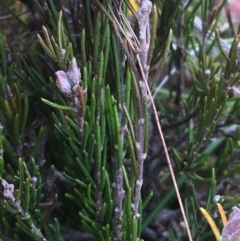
column 169, row 161
column 144, row 35
column 8, row 193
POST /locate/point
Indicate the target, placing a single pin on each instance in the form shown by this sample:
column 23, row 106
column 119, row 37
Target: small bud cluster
column 67, row 82
column 8, row 190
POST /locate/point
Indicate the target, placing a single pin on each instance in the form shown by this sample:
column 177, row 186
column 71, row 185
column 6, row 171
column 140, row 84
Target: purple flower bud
column 73, row 73
column 63, row 84
column 231, row 231
column 8, row 190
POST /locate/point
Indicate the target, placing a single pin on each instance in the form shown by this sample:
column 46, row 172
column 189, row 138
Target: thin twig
column 8, row 193
column 183, row 121
column 169, row 162
column 49, row 211
column 211, row 35
column 11, row 16
column 163, row 82
column 118, row 200
column 180, row 57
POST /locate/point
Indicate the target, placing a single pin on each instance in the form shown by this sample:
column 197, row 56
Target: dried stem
column 98, row 193
column 169, row 162
column 144, row 32
column 118, row 198
column 211, row 36
column 8, row 193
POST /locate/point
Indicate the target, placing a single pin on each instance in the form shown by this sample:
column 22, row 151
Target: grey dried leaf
column 231, row 231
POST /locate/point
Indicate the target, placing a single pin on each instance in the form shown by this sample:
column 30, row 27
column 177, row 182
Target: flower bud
column 73, row 73
column 231, row 231
column 63, row 84
column 8, row 190
column 63, row 52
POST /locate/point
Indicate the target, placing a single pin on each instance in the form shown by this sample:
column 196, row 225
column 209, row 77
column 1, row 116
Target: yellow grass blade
column 211, row 223
column 222, row 214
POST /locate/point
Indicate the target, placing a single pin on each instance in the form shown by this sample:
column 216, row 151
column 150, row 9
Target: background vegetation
column 79, row 140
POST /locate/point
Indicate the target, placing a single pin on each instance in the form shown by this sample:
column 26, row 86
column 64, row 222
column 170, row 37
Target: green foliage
column 83, row 148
